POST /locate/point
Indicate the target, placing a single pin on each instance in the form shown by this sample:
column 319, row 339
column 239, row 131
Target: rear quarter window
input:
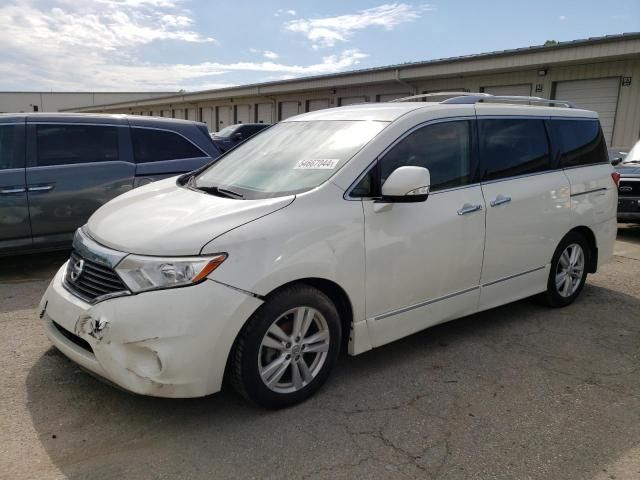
column 151, row 145
column 581, row 142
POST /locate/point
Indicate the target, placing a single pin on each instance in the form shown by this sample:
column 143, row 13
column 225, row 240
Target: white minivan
column 352, row 226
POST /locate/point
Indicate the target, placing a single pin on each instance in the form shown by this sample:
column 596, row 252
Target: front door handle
column 12, row 190
column 468, row 208
column 40, row 188
column 500, row 200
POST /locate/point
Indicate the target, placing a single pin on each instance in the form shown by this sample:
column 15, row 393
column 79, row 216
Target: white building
column 19, row 102
column 602, row 74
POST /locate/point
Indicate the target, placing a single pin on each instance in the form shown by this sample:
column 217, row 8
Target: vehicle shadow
column 518, row 391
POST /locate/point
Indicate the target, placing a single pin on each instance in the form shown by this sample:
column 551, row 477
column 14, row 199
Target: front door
column 15, row 229
column 423, row 260
column 73, row 169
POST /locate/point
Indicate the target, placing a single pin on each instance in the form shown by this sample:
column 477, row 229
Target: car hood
column 630, row 170
column 164, row 218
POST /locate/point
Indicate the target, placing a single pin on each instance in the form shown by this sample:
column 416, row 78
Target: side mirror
column 407, row 184
column 616, row 161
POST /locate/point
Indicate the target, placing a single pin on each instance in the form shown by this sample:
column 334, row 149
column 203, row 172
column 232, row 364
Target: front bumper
column 165, row 343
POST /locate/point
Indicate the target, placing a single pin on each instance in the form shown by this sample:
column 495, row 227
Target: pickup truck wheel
column 287, row 349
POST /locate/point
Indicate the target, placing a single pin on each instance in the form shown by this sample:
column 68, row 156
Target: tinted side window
column 443, row 148
column 72, row 144
column 581, row 142
column 11, row 147
column 510, row 147
column 157, row 145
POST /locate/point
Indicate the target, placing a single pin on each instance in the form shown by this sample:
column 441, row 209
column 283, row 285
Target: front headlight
column 142, row 273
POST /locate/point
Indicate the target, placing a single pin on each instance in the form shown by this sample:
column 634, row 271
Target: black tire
column 244, row 373
column 552, row 297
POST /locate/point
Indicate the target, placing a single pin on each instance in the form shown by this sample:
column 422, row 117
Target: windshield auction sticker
column 317, row 164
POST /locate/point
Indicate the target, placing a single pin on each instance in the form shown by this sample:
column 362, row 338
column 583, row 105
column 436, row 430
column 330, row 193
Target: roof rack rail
column 471, row 98
column 476, row 98
column 413, row 98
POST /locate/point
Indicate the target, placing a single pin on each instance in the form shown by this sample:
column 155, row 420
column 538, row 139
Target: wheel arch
column 590, row 237
column 336, row 294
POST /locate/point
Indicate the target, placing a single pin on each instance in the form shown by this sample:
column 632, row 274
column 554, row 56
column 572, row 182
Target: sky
column 168, row 45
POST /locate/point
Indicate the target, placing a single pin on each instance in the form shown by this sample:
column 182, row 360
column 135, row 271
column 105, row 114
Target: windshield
column 289, row 157
column 227, row 131
column 634, row 154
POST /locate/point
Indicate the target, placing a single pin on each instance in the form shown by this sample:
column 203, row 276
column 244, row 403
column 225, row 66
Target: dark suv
column 629, row 187
column 233, row 135
column 57, row 169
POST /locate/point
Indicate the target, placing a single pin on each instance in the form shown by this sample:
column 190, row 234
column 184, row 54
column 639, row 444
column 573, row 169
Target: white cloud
column 327, row 32
column 562, row 18
column 282, row 12
column 95, row 45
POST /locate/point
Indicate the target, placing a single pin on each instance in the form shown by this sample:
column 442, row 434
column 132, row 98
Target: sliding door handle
column 500, row 200
column 12, row 190
column 40, row 188
column 468, row 208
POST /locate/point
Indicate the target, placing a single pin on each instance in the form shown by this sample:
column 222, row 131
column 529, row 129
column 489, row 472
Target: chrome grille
column 91, row 280
column 629, row 188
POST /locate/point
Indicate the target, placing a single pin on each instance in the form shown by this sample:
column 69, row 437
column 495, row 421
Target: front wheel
column 288, row 347
column 568, row 271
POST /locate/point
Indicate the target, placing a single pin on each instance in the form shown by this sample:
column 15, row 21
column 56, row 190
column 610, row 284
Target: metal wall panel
column 351, row 100
column 317, row 104
column 288, row 109
column 243, row 114
column 518, row 90
column 600, row 95
column 208, row 117
column 264, row 113
column 225, row 117
column 387, row 97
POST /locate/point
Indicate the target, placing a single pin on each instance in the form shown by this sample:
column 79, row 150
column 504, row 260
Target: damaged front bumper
column 166, row 343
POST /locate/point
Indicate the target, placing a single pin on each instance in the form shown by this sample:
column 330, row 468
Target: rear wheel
column 568, row 271
column 288, row 347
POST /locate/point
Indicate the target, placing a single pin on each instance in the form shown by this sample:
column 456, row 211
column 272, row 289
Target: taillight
column 616, row 178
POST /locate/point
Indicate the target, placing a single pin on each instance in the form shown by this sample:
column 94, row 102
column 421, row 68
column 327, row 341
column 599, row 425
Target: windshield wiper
column 630, row 161
column 221, row 192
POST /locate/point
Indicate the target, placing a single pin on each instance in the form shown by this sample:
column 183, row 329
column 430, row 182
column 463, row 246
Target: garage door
column 208, row 118
column 523, row 90
column 165, row 113
column 190, row 114
column 225, row 117
column 313, row 105
column 288, row 109
column 243, row 114
column 387, row 97
column 351, row 100
column 600, row 95
column 264, row 112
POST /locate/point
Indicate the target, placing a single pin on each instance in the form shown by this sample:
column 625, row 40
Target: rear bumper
column 168, row 343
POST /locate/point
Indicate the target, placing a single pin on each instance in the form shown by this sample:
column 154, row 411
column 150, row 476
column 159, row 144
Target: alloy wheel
column 293, row 350
column 570, row 270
